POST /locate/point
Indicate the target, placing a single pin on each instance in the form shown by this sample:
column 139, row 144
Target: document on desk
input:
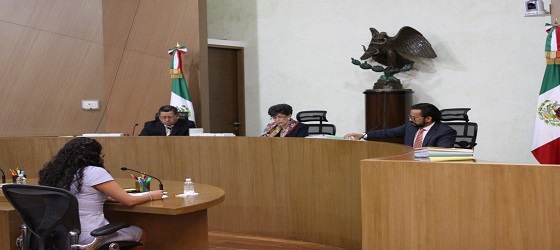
column 143, row 193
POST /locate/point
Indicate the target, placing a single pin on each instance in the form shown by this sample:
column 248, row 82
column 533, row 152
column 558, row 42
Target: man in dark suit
column 168, row 123
column 424, row 129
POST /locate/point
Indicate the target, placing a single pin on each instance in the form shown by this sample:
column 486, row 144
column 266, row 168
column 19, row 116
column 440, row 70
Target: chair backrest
column 466, row 134
column 455, row 114
column 312, row 116
column 319, row 116
column 182, row 115
column 48, row 212
column 322, row 129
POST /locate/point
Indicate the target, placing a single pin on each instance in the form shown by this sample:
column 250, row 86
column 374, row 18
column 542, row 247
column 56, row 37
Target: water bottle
column 188, row 186
column 21, row 178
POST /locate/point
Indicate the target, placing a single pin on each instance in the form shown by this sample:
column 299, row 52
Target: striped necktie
column 418, row 140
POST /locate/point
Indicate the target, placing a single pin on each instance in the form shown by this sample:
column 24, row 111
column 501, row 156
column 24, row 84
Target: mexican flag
column 180, row 97
column 546, row 137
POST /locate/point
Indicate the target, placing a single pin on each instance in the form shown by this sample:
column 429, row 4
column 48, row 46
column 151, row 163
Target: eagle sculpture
column 390, row 51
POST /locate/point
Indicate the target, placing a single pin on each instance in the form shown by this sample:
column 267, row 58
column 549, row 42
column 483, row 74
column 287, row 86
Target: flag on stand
column 546, row 136
column 180, row 97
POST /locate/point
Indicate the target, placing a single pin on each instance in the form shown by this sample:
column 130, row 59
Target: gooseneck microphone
column 134, row 128
column 3, row 176
column 160, row 184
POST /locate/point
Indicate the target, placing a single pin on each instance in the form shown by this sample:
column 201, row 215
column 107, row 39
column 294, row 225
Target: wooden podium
column 387, row 109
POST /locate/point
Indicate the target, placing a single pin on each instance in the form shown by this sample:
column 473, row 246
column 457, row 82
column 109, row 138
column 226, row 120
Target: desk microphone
column 3, row 176
column 160, row 184
column 133, row 129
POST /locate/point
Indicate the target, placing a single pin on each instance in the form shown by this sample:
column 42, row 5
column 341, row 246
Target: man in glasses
column 168, row 123
column 423, row 129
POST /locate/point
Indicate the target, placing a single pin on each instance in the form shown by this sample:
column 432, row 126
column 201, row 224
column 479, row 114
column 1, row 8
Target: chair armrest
column 109, row 229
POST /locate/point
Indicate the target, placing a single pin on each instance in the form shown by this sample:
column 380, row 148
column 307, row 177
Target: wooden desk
column 453, row 205
column 9, row 226
column 172, row 223
column 293, row 188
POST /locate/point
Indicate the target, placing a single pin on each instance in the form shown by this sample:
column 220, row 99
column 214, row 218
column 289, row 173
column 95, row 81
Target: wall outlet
column 90, row 104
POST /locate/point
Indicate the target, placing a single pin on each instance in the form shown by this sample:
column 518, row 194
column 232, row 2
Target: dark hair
column 284, row 109
column 167, row 108
column 68, row 164
column 428, row 109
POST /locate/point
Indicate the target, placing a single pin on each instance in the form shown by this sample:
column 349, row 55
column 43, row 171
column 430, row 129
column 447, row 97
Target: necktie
column 168, row 130
column 418, row 140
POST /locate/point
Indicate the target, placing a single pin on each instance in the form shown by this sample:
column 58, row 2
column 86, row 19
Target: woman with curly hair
column 78, row 168
column 282, row 124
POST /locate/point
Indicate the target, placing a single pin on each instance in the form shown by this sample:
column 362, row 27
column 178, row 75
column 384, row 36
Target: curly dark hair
column 69, row 163
column 283, row 108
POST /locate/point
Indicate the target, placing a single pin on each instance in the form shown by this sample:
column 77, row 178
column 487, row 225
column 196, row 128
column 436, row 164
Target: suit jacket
column 440, row 135
column 156, row 128
column 301, row 130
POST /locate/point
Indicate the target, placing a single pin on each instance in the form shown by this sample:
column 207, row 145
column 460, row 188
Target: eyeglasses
column 414, row 117
column 278, row 117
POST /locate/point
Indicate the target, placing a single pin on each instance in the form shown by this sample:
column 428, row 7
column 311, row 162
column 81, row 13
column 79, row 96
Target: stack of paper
column 443, row 154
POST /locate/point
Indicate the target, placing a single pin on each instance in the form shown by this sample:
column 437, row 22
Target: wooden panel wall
column 425, row 205
column 296, row 188
column 57, row 53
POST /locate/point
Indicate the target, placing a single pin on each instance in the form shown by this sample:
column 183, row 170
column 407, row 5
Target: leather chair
column 51, row 219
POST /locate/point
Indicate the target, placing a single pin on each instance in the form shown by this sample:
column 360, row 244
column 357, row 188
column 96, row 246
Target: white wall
column 490, row 58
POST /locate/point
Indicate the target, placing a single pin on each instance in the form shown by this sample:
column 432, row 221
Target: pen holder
column 142, row 186
column 14, row 178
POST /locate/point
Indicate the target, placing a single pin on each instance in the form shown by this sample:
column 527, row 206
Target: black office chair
column 322, row 129
column 51, row 215
column 455, row 114
column 466, row 134
column 458, row 119
column 319, row 116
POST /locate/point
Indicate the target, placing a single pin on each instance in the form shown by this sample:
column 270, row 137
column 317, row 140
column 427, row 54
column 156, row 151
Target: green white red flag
column 546, row 136
column 180, row 96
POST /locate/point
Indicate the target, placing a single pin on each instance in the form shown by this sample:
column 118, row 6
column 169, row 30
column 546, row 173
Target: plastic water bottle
column 188, row 186
column 21, row 178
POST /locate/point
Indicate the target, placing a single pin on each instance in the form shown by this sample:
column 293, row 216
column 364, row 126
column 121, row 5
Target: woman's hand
column 156, row 194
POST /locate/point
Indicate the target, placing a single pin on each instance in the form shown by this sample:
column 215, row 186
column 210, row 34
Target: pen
column 134, row 177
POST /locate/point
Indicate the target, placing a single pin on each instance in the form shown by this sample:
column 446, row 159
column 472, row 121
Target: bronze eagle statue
column 390, row 51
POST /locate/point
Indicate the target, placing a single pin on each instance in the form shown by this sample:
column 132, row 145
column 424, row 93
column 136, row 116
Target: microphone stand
column 3, row 176
column 160, row 183
column 134, row 128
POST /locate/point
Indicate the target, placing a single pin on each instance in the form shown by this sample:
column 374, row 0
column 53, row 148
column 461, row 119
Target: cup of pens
column 15, row 174
column 142, row 183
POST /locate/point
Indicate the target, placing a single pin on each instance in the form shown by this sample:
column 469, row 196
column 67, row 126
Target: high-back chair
column 315, row 119
column 51, row 219
column 458, row 119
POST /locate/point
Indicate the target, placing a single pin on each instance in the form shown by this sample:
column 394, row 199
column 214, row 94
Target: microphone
column 3, row 176
column 134, row 128
column 160, row 184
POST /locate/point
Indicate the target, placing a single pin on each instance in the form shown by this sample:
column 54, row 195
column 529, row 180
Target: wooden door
column 226, row 90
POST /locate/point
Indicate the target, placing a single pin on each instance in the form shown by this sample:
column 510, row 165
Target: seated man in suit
column 168, row 123
column 424, row 129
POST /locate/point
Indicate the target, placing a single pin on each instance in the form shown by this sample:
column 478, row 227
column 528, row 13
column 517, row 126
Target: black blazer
column 301, row 130
column 156, row 128
column 440, row 135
